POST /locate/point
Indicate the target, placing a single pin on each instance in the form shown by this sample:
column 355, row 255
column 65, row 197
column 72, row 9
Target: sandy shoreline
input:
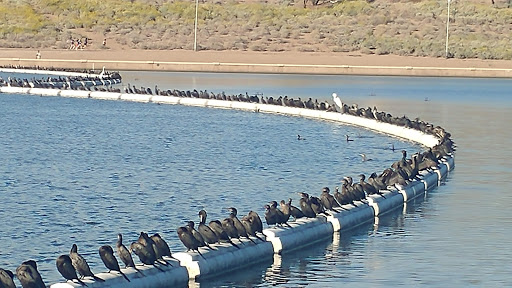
column 258, row 62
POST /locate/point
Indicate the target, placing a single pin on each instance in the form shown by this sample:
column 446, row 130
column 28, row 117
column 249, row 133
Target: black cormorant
column 81, row 265
column 107, row 256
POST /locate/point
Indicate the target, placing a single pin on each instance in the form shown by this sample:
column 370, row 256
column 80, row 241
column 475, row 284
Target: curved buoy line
column 302, row 232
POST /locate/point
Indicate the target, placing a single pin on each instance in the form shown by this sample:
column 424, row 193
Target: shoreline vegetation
column 385, row 37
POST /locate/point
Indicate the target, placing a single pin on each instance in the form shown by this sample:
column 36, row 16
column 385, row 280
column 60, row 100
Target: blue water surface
column 82, row 170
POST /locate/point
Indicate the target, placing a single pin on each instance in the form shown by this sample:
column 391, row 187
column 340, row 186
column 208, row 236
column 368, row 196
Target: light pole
column 195, row 28
column 447, row 25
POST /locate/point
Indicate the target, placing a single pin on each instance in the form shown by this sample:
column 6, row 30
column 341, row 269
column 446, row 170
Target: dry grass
column 477, row 30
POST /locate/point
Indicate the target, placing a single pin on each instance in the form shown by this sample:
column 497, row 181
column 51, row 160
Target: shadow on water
column 252, row 275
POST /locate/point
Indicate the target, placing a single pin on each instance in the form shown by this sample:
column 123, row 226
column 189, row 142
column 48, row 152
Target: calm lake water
column 82, row 170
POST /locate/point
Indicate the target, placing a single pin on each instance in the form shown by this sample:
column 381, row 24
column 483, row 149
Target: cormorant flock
column 151, row 249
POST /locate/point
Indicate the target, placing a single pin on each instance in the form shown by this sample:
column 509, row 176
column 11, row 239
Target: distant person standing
column 104, row 42
column 38, row 55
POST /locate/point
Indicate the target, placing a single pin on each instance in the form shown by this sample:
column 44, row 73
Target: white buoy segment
column 15, row 90
column 75, row 93
column 219, row 103
column 351, row 216
column 45, row 92
column 441, row 170
column 411, row 190
column 225, row 258
column 151, row 277
column 429, row 178
column 303, row 232
column 105, row 95
column 165, row 99
column 144, row 98
column 386, row 202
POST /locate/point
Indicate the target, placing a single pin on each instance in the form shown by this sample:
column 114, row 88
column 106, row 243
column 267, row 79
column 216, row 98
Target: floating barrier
column 75, row 93
column 15, row 90
column 136, row 97
column 105, row 95
column 151, row 277
column 351, row 216
column 45, row 92
column 302, row 232
column 429, row 178
column 165, row 100
column 388, row 201
column 224, row 258
column 411, row 190
column 282, row 239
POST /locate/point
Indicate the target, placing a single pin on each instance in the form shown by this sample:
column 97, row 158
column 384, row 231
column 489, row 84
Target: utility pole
column 195, row 28
column 447, row 26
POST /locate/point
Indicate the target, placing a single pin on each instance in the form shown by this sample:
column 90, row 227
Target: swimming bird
column 107, row 256
column 300, row 137
column 348, row 138
column 81, row 265
column 216, row 226
column 189, row 240
column 364, row 158
column 208, row 234
column 6, row 279
column 29, row 276
column 66, row 269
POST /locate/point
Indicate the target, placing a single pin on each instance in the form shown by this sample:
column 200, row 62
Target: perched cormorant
column 145, row 256
column 197, row 235
column 327, row 200
column 81, row 265
column 250, row 226
column 208, row 234
column 107, row 256
column 281, row 218
column 66, row 269
column 161, row 245
column 238, row 225
column 294, row 211
column 29, row 276
column 6, row 279
column 151, row 246
column 125, row 254
column 219, row 231
column 305, row 205
column 189, row 240
column 256, row 220
column 229, row 226
column 270, row 216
